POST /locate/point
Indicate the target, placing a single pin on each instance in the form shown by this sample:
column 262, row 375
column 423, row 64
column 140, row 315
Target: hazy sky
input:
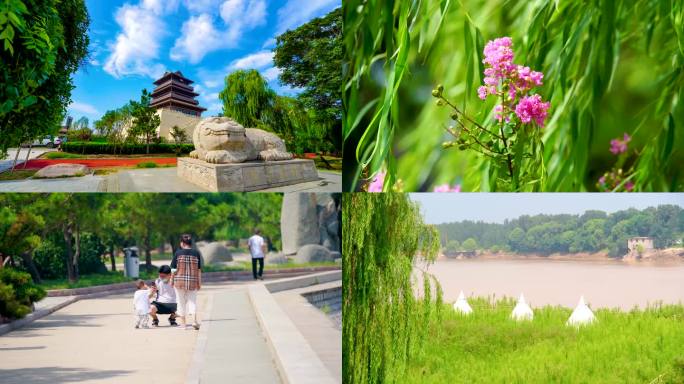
column 495, row 207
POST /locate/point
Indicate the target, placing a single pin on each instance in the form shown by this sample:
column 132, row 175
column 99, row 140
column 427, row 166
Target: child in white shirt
column 141, row 304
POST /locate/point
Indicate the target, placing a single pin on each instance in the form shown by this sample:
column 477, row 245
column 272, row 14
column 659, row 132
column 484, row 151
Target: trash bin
column 131, row 262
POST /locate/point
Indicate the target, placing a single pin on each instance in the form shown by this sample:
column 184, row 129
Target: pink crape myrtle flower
column 376, row 184
column 629, row 186
column 528, row 79
column 618, row 146
column 532, row 108
column 447, row 188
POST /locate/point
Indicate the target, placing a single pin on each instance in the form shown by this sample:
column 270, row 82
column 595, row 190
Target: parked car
column 47, row 141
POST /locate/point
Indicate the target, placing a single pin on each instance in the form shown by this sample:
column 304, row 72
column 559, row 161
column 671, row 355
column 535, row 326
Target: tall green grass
column 638, row 346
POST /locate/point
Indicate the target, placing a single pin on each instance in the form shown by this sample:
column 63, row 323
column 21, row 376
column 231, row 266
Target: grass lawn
column 334, row 163
column 95, row 279
column 487, row 347
column 118, row 277
column 18, row 174
column 63, row 155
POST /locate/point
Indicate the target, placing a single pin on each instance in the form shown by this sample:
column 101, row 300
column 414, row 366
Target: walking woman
column 187, row 280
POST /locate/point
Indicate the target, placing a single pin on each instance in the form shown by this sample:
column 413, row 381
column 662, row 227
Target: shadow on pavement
column 52, row 375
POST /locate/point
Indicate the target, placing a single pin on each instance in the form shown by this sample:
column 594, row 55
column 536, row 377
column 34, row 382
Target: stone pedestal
column 248, row 176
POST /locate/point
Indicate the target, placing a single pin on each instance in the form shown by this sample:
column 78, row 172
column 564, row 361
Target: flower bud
column 440, row 88
column 448, row 144
column 436, row 93
column 454, row 117
column 440, row 103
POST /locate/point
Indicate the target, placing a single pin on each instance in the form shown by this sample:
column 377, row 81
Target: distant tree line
column 591, row 231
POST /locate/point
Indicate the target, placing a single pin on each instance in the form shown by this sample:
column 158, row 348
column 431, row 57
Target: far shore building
column 646, row 244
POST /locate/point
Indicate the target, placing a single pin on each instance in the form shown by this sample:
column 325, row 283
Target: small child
column 141, row 304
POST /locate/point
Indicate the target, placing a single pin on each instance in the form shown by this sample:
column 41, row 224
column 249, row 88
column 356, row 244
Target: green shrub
column 62, row 155
column 124, row 149
column 146, row 164
column 50, row 257
column 17, row 293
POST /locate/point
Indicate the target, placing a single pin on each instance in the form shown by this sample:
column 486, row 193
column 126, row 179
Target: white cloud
column 200, row 36
column 270, row 43
column 297, row 12
column 137, row 45
column 202, row 6
column 271, row 74
column 257, row 60
column 83, row 108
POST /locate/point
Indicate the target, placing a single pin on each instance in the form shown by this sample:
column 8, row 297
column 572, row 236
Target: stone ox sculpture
column 221, row 140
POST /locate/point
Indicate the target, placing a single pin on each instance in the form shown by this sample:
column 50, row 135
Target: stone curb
column 296, row 361
column 33, row 316
column 207, row 277
column 301, row 282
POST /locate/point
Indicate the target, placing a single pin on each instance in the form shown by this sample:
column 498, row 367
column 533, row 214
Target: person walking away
column 187, row 280
column 257, row 248
column 164, row 297
column 141, row 304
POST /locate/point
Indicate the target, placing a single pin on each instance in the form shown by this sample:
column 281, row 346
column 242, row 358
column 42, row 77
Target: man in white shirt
column 257, row 247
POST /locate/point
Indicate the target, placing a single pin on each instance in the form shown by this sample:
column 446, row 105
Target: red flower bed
column 100, row 163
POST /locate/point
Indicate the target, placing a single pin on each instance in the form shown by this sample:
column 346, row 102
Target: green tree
column 383, row 233
column 145, row 119
column 470, row 245
column 310, row 57
column 452, row 246
column 247, row 98
column 42, row 44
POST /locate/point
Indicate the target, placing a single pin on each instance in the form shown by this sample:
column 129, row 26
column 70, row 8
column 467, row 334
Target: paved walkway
column 94, row 341
column 317, row 328
column 89, row 183
column 167, row 180
column 6, row 163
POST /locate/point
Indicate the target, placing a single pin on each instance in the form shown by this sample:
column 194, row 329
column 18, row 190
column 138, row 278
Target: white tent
column 581, row 315
column 522, row 311
column 461, row 305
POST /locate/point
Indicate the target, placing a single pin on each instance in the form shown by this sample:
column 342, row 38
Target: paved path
column 6, row 163
column 317, row 328
column 89, row 183
column 167, row 180
column 235, row 350
column 94, row 341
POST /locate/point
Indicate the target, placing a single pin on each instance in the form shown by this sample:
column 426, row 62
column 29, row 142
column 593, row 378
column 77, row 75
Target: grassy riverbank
column 487, row 347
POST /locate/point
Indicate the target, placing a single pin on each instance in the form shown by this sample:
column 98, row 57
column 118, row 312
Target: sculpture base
column 248, row 176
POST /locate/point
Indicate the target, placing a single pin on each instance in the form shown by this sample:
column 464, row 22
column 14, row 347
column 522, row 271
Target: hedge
column 89, row 148
column 17, row 294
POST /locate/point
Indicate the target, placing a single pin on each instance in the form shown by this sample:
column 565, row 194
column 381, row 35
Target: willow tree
column 611, row 67
column 247, row 98
column 384, row 322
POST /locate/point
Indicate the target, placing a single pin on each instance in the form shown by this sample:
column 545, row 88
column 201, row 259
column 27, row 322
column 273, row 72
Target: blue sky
column 132, row 42
column 496, row 207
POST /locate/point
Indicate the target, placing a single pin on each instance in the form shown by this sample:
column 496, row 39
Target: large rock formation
column 313, row 253
column 299, row 222
column 62, row 170
column 221, row 140
column 216, row 252
column 310, row 218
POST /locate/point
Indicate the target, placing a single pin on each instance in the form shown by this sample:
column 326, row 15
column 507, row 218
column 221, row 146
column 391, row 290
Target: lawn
column 118, row 277
column 17, row 174
column 487, row 347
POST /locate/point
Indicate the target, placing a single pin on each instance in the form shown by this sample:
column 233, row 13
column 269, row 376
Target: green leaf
column 29, row 101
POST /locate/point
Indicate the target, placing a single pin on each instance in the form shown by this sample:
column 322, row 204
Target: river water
column 555, row 282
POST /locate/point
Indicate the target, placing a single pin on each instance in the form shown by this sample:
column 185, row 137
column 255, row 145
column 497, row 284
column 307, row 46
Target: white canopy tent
column 461, row 305
column 581, row 315
column 522, row 311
